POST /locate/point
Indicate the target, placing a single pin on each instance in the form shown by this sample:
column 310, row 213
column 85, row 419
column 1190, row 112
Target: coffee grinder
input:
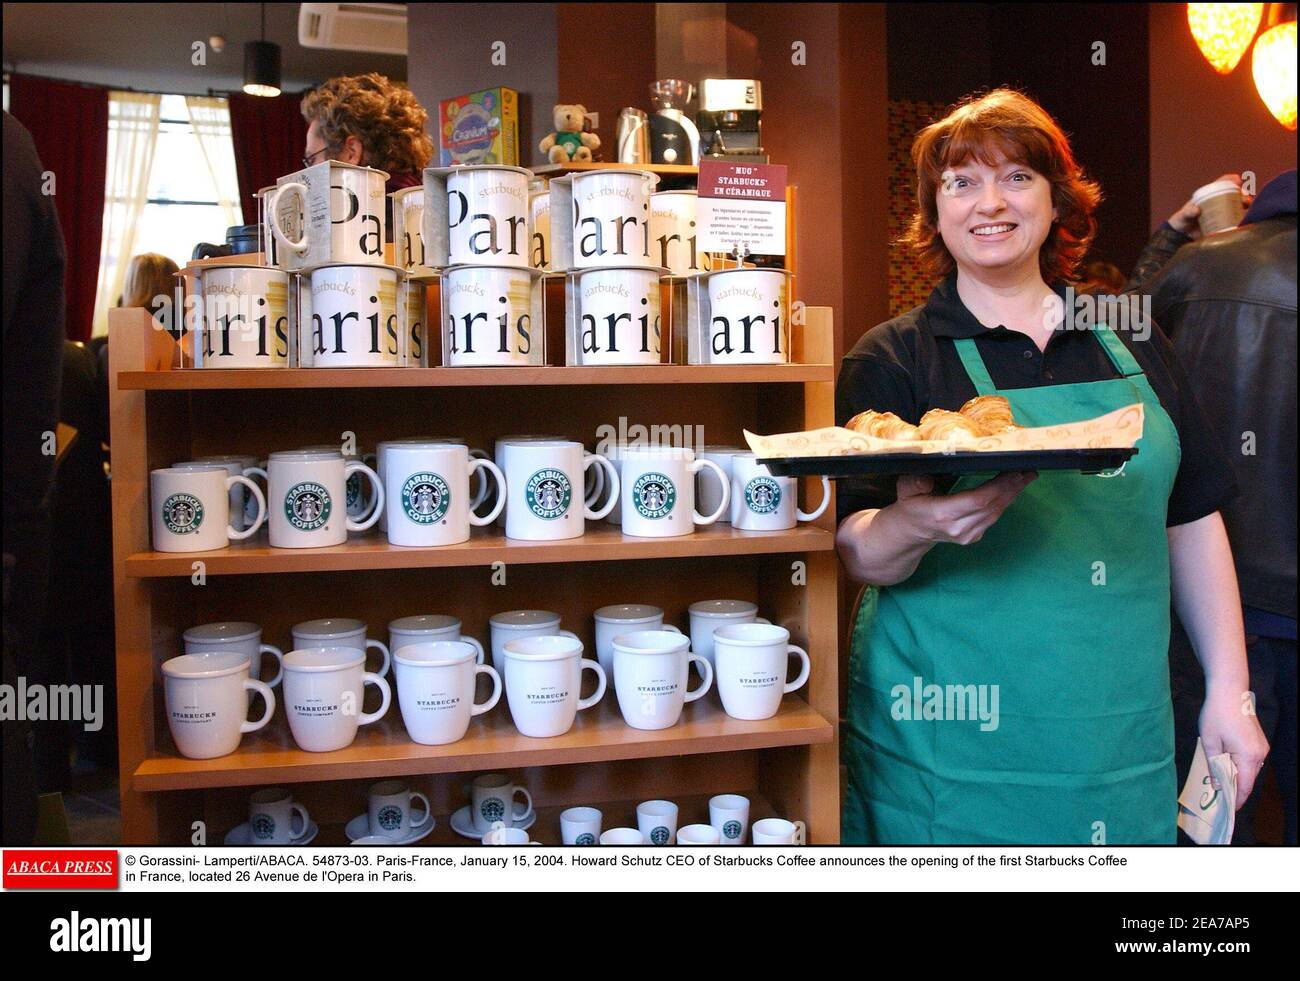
column 673, row 136
column 728, row 120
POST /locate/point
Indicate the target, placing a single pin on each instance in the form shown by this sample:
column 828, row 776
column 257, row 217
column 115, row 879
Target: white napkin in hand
column 1206, row 814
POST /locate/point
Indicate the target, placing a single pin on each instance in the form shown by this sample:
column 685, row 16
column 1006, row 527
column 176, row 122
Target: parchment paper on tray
column 1120, row 429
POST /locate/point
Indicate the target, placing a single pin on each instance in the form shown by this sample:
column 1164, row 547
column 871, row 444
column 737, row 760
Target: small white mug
column 323, row 693
column 580, row 826
column 651, row 674
column 729, row 814
column 389, row 810
column 751, row 662
column 623, row 836
column 778, row 831
column 501, row 835
column 270, row 818
column 698, row 834
column 492, row 800
column 435, row 690
column 657, row 821
column 544, row 489
column 429, row 501
column 191, row 508
column 207, row 710
column 543, row 679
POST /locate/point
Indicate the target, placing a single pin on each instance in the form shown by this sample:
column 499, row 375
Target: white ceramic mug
column 271, row 814
column 751, row 663
column 207, row 710
column 487, row 215
column 707, row 493
column 341, row 632
column 424, row 628
column 408, row 231
column 624, row 618
column 611, row 218
column 729, row 815
column 239, row 637
column 658, row 492
column 354, row 318
column 543, row 679
column 580, row 826
column 623, row 836
column 381, row 461
column 492, row 800
column 544, row 482
column 191, row 508
column 747, row 316
column 517, row 624
column 539, row 207
column 763, row 502
column 323, row 693
column 657, row 821
column 698, row 834
column 499, row 458
column 672, row 233
column 618, row 316
column 428, row 493
column 308, row 491
column 492, row 317
column 389, row 810
column 330, row 212
column 435, row 690
column 245, row 317
column 651, row 677
column 708, row 615
column 240, row 500
column 778, row 831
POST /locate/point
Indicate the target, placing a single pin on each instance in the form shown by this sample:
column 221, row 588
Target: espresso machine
column 728, row 120
column 673, row 136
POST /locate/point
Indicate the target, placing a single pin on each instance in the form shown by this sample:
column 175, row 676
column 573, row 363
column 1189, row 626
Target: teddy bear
column 569, row 142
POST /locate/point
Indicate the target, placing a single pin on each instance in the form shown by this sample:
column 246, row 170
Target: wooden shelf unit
column 159, row 417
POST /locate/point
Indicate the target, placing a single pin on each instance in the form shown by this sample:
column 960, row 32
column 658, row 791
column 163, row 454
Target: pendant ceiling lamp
column 1273, row 65
column 1223, row 31
column 262, row 65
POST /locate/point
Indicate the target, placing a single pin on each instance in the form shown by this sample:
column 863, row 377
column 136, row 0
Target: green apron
column 1051, row 722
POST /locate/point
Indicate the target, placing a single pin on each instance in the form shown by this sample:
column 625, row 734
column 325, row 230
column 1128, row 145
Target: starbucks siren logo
column 548, row 493
column 182, row 513
column 762, row 495
column 654, row 495
column 263, row 827
column 390, row 817
column 492, row 809
column 425, row 498
column 307, row 506
column 659, row 836
column 732, row 829
column 586, row 838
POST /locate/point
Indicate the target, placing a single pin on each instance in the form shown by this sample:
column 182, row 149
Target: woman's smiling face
column 994, row 216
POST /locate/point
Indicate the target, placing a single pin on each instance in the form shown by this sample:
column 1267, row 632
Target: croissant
column 991, row 413
column 943, row 424
column 883, row 425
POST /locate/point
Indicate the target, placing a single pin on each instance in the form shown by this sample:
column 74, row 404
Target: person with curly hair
column 1009, row 676
column 370, row 121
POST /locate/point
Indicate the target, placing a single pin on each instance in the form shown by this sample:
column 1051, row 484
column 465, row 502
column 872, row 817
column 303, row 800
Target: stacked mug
column 477, row 226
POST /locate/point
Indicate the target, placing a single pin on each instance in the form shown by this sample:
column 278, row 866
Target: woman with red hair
column 1009, row 677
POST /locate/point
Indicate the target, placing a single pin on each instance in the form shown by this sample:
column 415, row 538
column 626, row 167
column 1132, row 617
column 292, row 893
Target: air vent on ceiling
column 378, row 27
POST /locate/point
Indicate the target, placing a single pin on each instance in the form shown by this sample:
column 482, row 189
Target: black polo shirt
column 910, row 365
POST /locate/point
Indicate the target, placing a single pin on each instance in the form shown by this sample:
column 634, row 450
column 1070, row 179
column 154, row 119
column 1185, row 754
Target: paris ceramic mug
column 651, row 674
column 245, row 317
column 751, row 665
column 354, row 317
column 492, row 317
column 323, row 692
column 611, row 218
column 543, row 680
column 618, row 316
column 330, row 212
column 435, row 690
column 191, row 508
column 487, row 215
column 207, row 710
column 763, row 502
column 747, row 316
column 308, row 491
column 672, row 233
column 408, row 231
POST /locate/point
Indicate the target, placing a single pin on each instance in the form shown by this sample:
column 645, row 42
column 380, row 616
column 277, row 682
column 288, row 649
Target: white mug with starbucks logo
column 763, row 502
column 428, row 493
column 191, row 508
column 658, row 491
column 544, row 489
column 308, row 494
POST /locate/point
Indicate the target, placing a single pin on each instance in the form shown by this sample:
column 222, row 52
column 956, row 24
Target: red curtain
column 69, row 124
column 269, row 136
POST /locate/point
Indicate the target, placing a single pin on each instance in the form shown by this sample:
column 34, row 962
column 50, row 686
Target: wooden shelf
column 668, row 173
column 384, row 749
column 197, row 379
column 601, row 543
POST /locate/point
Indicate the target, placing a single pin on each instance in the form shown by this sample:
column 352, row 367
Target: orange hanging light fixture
column 1223, row 31
column 1273, row 65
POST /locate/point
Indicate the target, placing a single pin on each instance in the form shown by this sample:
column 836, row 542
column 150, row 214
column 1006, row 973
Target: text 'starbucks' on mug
column 435, row 689
column 539, row 207
column 544, row 489
column 491, row 317
column 748, row 316
column 486, row 214
column 354, row 318
column 338, row 211
column 323, row 696
column 428, row 499
column 763, row 502
column 611, row 218
column 408, row 232
column 618, row 316
column 207, row 710
column 308, row 494
column 672, row 233
column 245, row 317
column 191, row 508
column 658, row 491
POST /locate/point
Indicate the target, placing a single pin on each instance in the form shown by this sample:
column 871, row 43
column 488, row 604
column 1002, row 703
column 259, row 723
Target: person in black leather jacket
column 1228, row 302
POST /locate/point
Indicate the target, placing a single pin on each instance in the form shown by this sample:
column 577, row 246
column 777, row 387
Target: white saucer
column 359, row 827
column 463, row 824
column 243, row 835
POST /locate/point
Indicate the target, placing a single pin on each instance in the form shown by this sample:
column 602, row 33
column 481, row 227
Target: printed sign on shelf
column 741, row 208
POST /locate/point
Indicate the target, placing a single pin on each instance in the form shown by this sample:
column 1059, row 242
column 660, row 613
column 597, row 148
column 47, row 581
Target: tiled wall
column 909, row 284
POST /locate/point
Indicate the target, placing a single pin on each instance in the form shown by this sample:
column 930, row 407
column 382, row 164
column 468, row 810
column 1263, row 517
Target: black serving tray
column 1091, row 461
